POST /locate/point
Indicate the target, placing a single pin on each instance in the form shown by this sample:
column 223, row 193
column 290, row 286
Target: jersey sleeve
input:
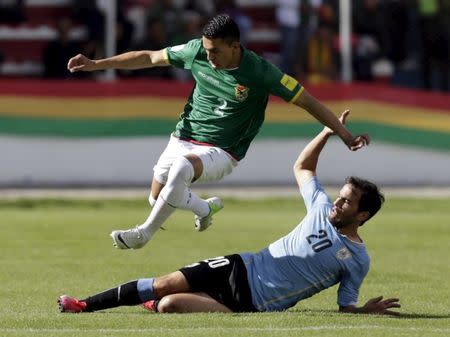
column 280, row 84
column 313, row 193
column 182, row 56
column 348, row 290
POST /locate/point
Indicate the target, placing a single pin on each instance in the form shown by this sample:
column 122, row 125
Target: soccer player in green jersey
column 220, row 119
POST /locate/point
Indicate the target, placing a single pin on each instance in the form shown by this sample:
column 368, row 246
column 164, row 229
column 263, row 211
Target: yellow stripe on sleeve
column 297, row 95
column 289, row 82
column 166, row 56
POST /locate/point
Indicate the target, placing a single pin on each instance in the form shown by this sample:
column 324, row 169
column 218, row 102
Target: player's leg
column 216, row 164
column 207, row 164
column 223, row 279
column 217, row 284
column 204, row 163
column 176, row 174
column 175, row 194
column 185, row 169
column 197, row 163
column 190, row 302
column 155, row 189
column 127, row 294
column 138, row 237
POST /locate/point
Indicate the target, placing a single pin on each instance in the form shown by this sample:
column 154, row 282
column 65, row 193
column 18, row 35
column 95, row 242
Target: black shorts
column 224, row 278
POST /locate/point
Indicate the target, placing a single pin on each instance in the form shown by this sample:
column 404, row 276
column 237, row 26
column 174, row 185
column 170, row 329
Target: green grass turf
column 53, row 247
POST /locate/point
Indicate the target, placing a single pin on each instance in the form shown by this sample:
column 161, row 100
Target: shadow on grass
column 403, row 315
column 305, row 312
column 412, row 315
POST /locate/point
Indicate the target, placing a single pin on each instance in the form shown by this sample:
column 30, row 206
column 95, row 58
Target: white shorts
column 217, row 163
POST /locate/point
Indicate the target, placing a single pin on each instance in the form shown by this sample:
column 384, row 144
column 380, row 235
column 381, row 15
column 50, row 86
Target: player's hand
column 359, row 142
column 80, row 63
column 381, row 307
column 342, row 119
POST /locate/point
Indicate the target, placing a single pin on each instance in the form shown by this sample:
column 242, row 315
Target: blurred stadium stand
column 23, row 43
column 28, row 27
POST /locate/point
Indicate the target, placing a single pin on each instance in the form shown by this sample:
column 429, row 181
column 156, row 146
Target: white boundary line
column 305, row 328
column 248, row 192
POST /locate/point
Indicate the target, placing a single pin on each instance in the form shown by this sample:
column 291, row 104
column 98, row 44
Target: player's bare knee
column 170, row 284
column 196, row 163
column 168, row 304
column 161, row 287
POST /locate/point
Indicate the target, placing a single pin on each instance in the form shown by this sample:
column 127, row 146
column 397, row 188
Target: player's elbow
column 302, row 166
column 297, row 169
column 303, row 175
column 157, row 58
column 298, row 165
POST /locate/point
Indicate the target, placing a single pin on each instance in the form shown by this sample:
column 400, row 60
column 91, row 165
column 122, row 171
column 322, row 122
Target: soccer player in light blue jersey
column 323, row 250
column 222, row 116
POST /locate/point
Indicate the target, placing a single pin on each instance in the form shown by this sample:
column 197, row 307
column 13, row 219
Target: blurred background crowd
column 402, row 42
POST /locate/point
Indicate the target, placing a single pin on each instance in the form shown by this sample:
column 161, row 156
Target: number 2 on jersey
column 220, row 109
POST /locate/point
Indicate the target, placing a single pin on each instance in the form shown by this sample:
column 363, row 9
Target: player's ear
column 362, row 216
column 235, row 45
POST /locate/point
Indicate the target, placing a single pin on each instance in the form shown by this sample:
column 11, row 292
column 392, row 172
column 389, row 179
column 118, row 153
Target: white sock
column 151, row 200
column 178, row 194
column 175, row 194
column 159, row 214
column 196, row 204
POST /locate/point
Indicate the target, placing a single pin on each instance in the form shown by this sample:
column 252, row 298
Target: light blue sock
column 145, row 289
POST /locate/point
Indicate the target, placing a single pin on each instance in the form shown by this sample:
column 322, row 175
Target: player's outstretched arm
column 376, row 306
column 306, row 164
column 130, row 60
column 328, row 118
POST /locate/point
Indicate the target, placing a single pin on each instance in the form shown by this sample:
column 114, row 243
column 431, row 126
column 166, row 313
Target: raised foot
column 202, row 223
column 134, row 238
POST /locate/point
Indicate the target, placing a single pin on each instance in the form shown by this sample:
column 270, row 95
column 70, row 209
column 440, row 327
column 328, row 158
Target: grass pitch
column 54, row 247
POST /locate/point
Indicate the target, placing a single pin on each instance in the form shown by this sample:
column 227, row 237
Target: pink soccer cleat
column 70, row 304
column 151, row 305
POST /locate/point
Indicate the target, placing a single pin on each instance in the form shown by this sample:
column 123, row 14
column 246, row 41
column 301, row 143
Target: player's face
column 221, row 54
column 345, row 209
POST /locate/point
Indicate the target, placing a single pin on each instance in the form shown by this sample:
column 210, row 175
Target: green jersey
column 226, row 107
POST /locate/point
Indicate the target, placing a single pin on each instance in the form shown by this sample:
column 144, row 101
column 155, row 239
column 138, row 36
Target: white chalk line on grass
column 305, row 328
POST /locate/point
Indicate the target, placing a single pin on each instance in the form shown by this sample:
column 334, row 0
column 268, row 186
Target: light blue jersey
column 311, row 258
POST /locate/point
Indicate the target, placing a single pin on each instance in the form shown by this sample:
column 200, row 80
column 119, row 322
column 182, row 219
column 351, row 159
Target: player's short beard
column 336, row 223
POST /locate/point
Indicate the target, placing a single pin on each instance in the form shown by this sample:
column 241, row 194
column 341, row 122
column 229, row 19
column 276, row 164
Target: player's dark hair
column 371, row 197
column 222, row 26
